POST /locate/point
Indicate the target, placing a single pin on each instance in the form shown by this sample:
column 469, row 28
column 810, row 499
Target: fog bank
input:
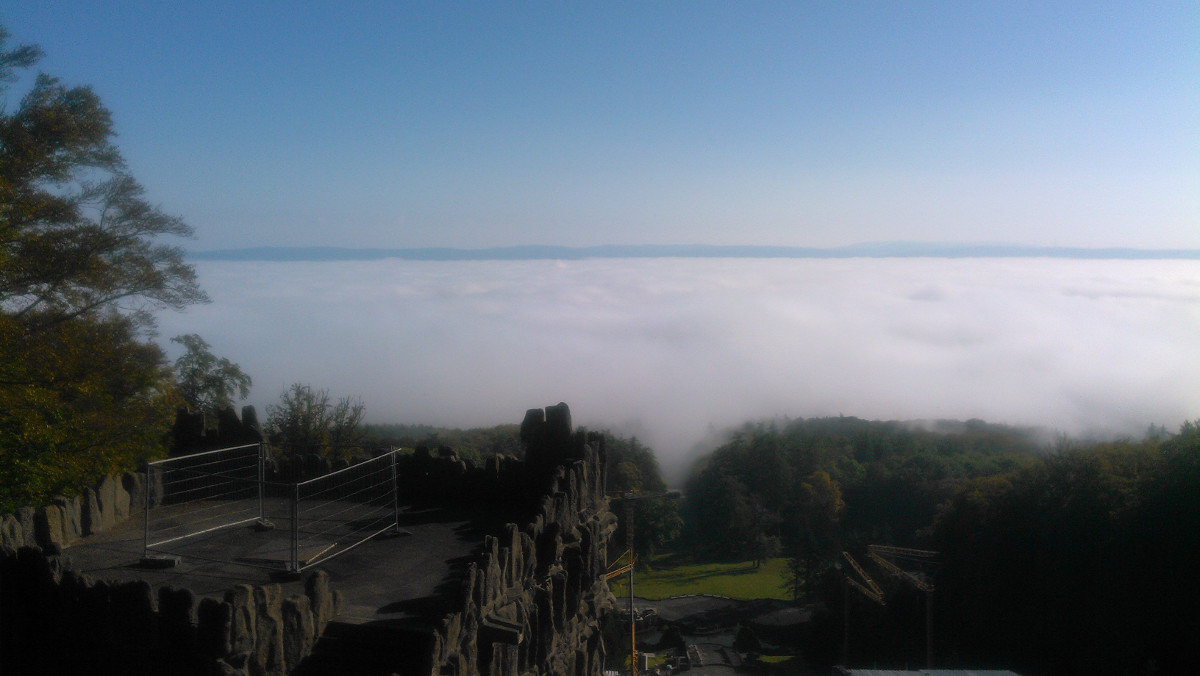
column 672, row 348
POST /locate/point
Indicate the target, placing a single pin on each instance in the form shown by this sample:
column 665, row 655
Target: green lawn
column 736, row 580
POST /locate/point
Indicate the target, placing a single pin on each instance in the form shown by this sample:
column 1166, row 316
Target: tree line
column 1074, row 558
column 809, row 488
column 1084, row 563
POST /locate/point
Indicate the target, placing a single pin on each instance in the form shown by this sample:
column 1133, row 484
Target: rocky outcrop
column 530, row 603
column 57, row 621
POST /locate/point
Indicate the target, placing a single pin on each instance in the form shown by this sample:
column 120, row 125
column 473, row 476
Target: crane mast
column 629, row 499
column 868, row 587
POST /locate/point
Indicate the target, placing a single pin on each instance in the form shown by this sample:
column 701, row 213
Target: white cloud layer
column 667, row 348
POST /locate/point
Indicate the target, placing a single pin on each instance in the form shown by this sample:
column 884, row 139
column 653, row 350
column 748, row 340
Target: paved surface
column 716, row 617
column 403, row 579
column 702, row 613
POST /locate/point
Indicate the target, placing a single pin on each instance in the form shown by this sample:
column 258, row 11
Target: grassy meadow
column 739, row 580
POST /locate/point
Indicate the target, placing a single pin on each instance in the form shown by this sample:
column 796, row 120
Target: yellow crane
column 630, row 499
column 878, row 554
column 882, row 555
column 624, row 568
column 868, row 587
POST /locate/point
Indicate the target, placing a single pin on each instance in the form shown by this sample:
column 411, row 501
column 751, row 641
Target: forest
column 1071, row 558
column 1055, row 556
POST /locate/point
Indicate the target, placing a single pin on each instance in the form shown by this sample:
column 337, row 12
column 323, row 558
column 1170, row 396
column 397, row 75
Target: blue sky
column 489, row 124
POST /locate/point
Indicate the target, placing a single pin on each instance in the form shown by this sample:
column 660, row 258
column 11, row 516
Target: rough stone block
column 106, row 493
column 250, row 423
column 121, row 505
column 72, row 526
column 48, row 527
column 12, row 537
column 493, row 578
column 136, row 620
column 134, row 484
column 154, row 487
column 528, row 550
column 452, row 628
column 299, row 629
column 25, row 515
column 515, row 557
column 504, row 659
column 176, row 620
column 235, row 665
column 214, row 620
column 90, row 519
column 472, row 593
column 76, row 505
column 468, row 643
column 321, row 601
column 96, row 606
column 535, row 418
column 242, row 631
column 268, row 645
column 229, row 426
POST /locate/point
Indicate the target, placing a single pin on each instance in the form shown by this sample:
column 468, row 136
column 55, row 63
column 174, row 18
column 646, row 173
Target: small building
column 843, row 671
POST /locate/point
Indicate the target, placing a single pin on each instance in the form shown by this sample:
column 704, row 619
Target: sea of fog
column 673, row 350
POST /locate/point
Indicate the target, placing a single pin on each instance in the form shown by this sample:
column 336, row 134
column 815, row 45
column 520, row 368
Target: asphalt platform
column 406, row 578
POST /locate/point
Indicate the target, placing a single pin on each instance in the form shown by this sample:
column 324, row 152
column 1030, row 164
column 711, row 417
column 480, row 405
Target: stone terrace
column 498, row 569
column 392, row 578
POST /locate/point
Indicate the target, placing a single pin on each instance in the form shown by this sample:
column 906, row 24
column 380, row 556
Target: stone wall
column 529, row 603
column 56, row 525
column 58, row 621
column 195, row 432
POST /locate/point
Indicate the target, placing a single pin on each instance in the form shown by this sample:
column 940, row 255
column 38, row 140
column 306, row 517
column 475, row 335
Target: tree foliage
column 632, row 467
column 810, row 488
column 475, row 444
column 76, row 233
column 91, row 399
column 306, row 421
column 81, row 270
column 1077, row 559
column 206, row 382
column 1083, row 564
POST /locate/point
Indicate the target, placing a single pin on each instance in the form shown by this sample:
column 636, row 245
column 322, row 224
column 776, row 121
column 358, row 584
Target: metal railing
column 191, row 500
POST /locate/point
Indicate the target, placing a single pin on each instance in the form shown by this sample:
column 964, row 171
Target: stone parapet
column 530, row 603
column 55, row 526
column 58, row 621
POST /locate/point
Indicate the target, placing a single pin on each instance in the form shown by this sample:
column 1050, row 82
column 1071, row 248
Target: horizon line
column 553, row 252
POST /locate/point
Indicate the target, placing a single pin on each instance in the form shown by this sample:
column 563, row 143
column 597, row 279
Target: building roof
column 842, row 671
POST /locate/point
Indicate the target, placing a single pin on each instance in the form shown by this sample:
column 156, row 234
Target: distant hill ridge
column 513, row 253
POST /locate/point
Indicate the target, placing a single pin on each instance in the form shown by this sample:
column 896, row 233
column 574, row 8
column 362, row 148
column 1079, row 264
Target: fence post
column 395, row 496
column 295, row 528
column 146, row 514
column 262, row 476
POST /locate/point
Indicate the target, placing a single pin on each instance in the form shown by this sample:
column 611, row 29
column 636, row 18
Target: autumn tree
column 306, row 421
column 82, row 269
column 207, row 382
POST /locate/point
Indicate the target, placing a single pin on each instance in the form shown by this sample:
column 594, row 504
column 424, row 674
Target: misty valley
column 1054, row 556
column 819, row 422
